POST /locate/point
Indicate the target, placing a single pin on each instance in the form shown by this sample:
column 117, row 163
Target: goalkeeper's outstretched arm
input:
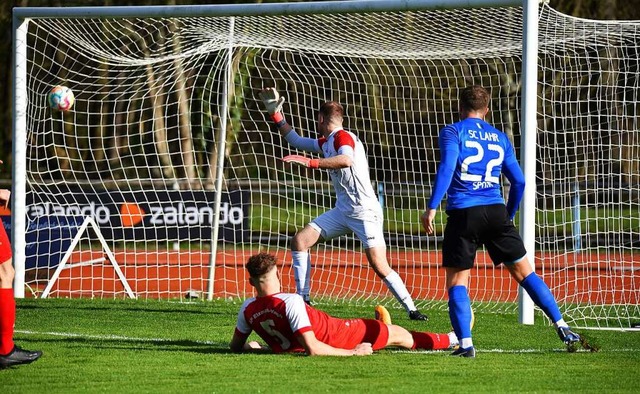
column 273, row 104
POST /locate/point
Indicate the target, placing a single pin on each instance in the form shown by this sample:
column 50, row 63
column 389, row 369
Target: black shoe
column 468, row 352
column 567, row 336
column 570, row 338
column 416, row 315
column 19, row 356
column 307, row 300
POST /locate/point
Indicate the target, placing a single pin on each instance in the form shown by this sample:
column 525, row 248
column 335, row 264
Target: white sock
column 399, row 290
column 302, row 272
column 560, row 323
column 466, row 343
column 453, row 339
column 307, row 279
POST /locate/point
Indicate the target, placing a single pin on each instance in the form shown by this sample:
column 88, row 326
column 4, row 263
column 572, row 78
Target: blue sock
column 460, row 311
column 541, row 296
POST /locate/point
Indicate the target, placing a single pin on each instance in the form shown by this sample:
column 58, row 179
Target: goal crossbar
column 219, row 10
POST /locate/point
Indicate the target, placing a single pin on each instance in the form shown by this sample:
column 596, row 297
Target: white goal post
column 168, row 150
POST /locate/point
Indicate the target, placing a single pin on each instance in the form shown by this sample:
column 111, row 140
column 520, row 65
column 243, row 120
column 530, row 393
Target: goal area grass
column 177, row 346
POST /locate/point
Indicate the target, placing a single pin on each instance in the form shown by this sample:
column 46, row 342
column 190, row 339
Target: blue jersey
column 474, row 154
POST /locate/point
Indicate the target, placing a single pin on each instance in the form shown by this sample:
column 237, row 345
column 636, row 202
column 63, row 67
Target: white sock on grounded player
column 453, row 339
column 307, row 278
column 399, row 290
column 302, row 272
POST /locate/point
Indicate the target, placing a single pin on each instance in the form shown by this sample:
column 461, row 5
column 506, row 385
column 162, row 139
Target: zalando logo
column 182, row 214
column 131, row 214
column 100, row 213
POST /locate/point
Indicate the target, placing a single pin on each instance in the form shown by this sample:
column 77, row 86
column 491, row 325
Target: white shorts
column 334, row 223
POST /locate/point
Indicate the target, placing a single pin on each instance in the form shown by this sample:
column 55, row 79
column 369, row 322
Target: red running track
column 584, row 278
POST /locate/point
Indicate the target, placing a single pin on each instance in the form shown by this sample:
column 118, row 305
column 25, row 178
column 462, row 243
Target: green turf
column 159, row 346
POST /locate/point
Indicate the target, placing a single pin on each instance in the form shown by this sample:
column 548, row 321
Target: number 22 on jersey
column 489, row 159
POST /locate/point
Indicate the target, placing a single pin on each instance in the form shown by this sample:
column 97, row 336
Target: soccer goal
column 168, row 150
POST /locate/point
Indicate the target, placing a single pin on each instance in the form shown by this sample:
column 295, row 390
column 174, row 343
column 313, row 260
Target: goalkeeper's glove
column 301, row 160
column 273, row 103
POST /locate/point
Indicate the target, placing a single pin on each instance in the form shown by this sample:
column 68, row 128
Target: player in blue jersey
column 473, row 156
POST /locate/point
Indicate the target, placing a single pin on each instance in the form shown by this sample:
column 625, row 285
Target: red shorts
column 356, row 331
column 5, row 246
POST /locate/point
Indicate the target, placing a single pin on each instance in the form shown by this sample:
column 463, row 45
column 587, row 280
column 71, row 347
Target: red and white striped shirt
column 355, row 195
column 354, row 192
column 279, row 317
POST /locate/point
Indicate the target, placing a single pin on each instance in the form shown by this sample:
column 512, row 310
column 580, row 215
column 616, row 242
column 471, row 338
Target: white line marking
column 161, row 340
column 517, row 351
column 109, row 336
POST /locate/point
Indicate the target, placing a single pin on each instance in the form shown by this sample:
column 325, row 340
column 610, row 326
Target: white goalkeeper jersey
column 355, row 195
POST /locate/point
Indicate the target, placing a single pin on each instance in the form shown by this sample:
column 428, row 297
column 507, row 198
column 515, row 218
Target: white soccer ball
column 61, row 98
column 192, row 294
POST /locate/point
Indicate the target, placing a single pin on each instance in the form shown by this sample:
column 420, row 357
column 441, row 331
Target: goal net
column 167, row 148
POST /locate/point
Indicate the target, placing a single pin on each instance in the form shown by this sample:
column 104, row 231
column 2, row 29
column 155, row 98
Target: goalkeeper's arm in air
column 273, row 103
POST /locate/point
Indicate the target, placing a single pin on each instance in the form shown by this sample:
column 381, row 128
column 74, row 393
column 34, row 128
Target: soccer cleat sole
column 382, row 314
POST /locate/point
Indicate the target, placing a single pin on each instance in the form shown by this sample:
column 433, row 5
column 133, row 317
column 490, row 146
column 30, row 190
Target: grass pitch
column 128, row 346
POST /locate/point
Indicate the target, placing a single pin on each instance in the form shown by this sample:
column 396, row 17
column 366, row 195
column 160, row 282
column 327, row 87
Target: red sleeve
column 321, row 141
column 242, row 334
column 343, row 138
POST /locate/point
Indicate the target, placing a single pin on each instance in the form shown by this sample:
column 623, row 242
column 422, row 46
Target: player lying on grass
column 287, row 324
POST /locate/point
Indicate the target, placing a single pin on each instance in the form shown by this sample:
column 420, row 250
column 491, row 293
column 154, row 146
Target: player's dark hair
column 474, row 98
column 260, row 264
column 332, row 110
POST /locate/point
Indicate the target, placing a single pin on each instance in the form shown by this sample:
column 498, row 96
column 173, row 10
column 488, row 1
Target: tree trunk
column 184, row 112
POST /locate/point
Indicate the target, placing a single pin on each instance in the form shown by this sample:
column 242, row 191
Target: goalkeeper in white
column 357, row 209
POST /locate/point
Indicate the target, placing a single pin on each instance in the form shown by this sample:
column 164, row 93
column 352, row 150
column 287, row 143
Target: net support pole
column 575, row 208
column 19, row 172
column 222, row 141
column 528, row 147
column 108, row 256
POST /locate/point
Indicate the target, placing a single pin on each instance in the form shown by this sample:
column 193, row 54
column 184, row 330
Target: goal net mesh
column 161, row 103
